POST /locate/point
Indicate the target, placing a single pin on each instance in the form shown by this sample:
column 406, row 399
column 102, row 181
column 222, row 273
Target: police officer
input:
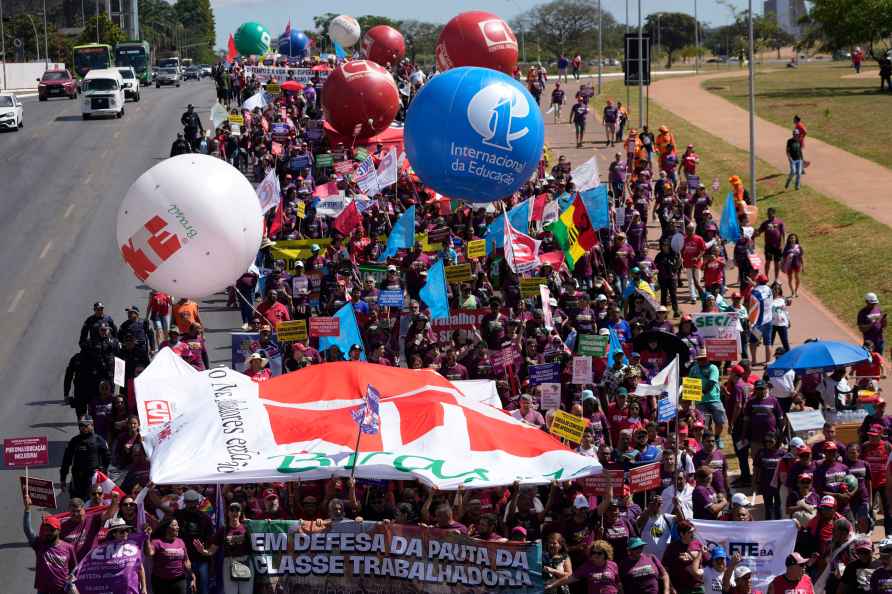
column 139, row 329
column 180, row 146
column 192, row 126
column 85, row 453
column 90, row 328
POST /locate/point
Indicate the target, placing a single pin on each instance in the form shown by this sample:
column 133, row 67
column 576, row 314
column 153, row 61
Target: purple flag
column 366, row 416
column 112, row 567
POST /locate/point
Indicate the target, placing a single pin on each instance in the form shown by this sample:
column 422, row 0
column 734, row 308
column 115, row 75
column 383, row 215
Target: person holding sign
column 711, row 403
column 56, row 560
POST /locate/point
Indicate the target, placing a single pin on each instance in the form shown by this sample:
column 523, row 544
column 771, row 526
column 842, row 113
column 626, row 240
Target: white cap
column 871, row 298
column 797, row 442
column 740, row 499
column 580, row 502
column 741, row 571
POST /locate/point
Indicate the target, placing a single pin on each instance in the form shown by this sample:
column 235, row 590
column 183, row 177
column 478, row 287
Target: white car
column 12, row 114
column 131, row 82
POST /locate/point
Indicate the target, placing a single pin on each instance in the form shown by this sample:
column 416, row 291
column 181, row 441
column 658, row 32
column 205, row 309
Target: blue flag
column 595, row 201
column 729, row 227
column 366, row 416
column 520, row 221
column 615, row 347
column 349, row 333
column 339, row 51
column 433, row 293
column 401, row 236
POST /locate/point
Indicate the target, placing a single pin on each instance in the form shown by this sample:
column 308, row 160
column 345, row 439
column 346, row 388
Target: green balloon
column 252, row 39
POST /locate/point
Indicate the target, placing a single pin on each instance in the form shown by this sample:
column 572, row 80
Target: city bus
column 187, row 62
column 136, row 55
column 90, row 56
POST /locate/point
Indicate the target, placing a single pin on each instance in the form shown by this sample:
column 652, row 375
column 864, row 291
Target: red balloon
column 477, row 38
column 383, row 44
column 360, row 98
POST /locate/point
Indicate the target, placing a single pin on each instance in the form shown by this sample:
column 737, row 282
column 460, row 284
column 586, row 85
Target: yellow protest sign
column 273, row 89
column 425, row 246
column 458, row 274
column 293, row 331
column 692, row 389
column 568, row 426
column 301, row 212
column 529, row 287
column 236, row 119
column 292, row 250
column 477, row 248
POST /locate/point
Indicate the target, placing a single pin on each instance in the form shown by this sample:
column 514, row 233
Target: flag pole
column 677, row 451
column 507, row 228
column 356, row 451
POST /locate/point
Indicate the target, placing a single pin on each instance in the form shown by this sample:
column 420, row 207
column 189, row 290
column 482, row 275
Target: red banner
column 19, row 452
column 645, row 478
column 597, row 485
column 320, row 326
column 41, row 492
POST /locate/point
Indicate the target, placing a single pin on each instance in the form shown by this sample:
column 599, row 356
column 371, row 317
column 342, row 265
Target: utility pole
column 626, row 61
column 46, row 51
column 36, row 37
column 97, row 21
column 752, row 106
column 600, row 45
column 641, row 68
column 2, row 46
column 696, row 39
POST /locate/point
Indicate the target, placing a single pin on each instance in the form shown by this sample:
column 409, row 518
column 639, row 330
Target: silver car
column 167, row 76
column 131, row 82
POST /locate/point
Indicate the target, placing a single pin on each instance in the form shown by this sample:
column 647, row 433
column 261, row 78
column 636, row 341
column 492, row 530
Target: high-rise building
column 787, row 13
column 69, row 15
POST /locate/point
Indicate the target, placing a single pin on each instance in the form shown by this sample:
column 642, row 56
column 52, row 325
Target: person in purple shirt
column 642, row 572
column 708, row 505
column 818, row 449
column 617, row 176
column 803, row 497
column 860, row 498
column 830, row 473
column 622, row 257
column 765, row 463
column 762, row 415
column 617, row 529
column 599, row 572
column 802, row 465
column 636, row 234
column 877, row 417
column 872, row 321
column 774, row 231
column 56, row 560
column 526, row 413
column 714, row 458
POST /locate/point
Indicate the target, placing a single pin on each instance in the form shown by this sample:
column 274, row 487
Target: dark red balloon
column 477, row 38
column 360, row 98
column 383, row 44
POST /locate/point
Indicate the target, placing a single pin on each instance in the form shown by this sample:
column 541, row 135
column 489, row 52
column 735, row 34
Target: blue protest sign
column 299, row 162
column 390, row 298
column 666, row 410
column 546, row 373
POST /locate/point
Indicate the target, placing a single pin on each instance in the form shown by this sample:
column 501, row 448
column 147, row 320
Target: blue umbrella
column 820, row 355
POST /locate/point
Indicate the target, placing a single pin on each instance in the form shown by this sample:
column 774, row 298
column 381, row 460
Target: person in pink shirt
column 689, row 161
column 172, row 569
column 273, row 310
column 257, row 368
column 692, row 259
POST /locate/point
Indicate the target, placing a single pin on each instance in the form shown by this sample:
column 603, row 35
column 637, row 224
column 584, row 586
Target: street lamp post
column 600, row 44
column 696, row 39
column 36, row 37
column 46, row 51
column 2, row 45
column 641, row 68
column 97, row 21
column 752, row 106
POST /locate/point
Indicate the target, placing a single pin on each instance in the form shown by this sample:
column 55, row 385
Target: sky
column 274, row 14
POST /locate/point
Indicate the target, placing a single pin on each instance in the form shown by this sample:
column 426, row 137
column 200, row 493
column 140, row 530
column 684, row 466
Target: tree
column 199, row 29
column 421, row 38
column 566, row 26
column 769, row 34
column 674, row 30
column 109, row 32
column 841, row 24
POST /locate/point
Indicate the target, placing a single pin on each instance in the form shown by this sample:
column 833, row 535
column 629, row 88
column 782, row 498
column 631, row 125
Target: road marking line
column 116, row 134
column 68, row 211
column 105, row 153
column 46, row 249
column 15, row 301
column 87, row 179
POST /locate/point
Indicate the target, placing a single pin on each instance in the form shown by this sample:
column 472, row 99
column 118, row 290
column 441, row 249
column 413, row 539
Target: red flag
column 232, row 52
column 539, row 207
column 278, row 220
column 326, row 190
column 108, row 487
column 348, row 220
column 521, row 250
column 277, row 149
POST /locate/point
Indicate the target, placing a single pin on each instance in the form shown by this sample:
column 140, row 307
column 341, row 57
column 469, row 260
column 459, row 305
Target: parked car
column 56, row 83
column 192, row 73
column 12, row 113
column 131, row 83
column 167, row 76
column 205, row 70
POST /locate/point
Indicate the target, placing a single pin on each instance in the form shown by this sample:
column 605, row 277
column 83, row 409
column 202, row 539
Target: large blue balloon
column 474, row 134
column 295, row 45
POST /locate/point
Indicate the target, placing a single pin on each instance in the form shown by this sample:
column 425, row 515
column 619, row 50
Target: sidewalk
column 840, row 175
column 810, row 319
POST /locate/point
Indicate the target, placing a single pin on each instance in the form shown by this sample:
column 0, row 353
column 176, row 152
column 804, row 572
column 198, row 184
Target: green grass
column 848, row 113
column 844, row 249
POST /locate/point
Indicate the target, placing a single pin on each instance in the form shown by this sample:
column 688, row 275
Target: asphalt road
column 61, row 182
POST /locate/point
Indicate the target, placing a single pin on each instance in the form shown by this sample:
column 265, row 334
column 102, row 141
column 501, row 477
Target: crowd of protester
column 632, row 283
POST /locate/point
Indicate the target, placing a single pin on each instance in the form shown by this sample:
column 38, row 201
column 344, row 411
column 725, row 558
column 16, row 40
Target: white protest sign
column 582, row 370
column 551, row 396
column 119, row 372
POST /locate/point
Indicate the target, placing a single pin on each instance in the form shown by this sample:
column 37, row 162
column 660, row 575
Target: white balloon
column 190, row 226
column 345, row 30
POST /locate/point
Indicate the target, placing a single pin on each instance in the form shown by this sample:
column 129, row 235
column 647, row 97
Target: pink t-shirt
column 170, row 558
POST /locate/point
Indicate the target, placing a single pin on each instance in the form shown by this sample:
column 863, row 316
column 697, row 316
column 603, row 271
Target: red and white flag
column 521, row 250
column 108, row 487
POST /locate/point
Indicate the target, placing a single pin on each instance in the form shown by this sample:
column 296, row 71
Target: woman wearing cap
column 599, row 571
column 172, row 570
column 642, row 572
column 117, row 536
column 233, row 537
column 257, row 369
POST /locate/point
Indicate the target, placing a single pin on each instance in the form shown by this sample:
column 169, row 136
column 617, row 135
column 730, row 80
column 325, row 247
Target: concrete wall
column 23, row 76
